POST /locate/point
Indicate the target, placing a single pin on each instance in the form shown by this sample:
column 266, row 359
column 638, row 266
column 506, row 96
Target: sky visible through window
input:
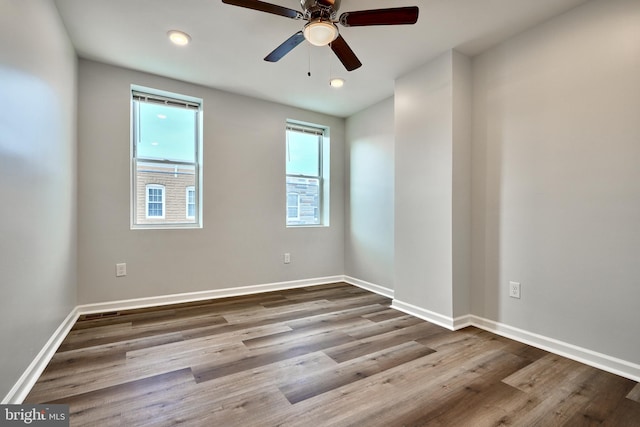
column 302, row 154
column 166, row 133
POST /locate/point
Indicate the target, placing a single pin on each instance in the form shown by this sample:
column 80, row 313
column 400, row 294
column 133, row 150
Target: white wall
column 369, row 210
column 432, row 186
column 461, row 183
column 556, row 175
column 244, row 235
column 37, row 181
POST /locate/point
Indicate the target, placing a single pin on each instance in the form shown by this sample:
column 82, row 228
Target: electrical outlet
column 121, row 270
column 514, row 290
column 287, row 258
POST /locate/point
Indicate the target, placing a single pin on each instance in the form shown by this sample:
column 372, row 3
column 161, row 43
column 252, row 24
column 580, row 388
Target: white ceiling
column 229, row 44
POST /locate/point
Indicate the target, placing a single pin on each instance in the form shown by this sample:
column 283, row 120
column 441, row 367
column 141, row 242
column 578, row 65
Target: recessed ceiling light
column 179, row 37
column 336, row 82
column 161, row 116
column 154, row 143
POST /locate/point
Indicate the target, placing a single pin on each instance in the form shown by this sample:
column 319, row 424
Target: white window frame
column 148, row 202
column 188, row 190
column 323, row 170
column 140, row 93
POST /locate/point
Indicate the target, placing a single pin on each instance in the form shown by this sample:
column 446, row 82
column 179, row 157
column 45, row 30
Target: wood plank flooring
column 331, row 355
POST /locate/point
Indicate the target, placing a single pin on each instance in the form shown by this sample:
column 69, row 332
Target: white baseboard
column 462, row 322
column 21, row 389
column 583, row 355
column 25, row 383
column 135, row 303
column 381, row 290
column 424, row 314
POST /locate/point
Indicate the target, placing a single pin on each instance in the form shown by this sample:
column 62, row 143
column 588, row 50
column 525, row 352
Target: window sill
column 166, row 227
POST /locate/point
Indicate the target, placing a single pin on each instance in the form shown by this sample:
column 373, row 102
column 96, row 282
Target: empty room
column 320, row 212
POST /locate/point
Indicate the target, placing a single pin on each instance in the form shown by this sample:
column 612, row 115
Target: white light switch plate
column 121, row 270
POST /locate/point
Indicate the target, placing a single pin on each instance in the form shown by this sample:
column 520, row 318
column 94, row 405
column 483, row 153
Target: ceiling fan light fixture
column 320, row 33
column 179, row 38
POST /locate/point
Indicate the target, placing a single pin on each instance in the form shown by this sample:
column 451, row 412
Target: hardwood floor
column 331, row 355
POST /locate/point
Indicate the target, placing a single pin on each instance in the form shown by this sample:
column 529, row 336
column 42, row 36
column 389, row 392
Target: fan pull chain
column 330, row 67
column 309, row 60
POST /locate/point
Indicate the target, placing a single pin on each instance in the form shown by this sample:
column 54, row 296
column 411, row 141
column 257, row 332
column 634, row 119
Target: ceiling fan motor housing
column 325, row 10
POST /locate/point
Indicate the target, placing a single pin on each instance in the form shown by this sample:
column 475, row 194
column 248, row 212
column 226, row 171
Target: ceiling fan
column 321, row 29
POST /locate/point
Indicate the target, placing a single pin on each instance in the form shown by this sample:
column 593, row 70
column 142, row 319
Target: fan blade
column 285, row 47
column 344, row 53
column 392, row 16
column 266, row 7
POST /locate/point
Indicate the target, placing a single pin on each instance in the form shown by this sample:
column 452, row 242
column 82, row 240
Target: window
column 166, row 160
column 191, row 202
column 155, row 201
column 293, row 206
column 305, row 175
